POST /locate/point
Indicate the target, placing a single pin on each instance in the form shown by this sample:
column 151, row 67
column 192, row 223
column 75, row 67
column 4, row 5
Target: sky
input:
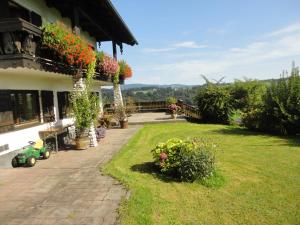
column 181, row 40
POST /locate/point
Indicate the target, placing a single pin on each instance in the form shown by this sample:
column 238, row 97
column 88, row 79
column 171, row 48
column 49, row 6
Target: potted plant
column 85, row 107
column 174, row 109
column 120, row 115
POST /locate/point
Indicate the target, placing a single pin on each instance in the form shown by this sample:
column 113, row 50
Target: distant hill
column 136, row 86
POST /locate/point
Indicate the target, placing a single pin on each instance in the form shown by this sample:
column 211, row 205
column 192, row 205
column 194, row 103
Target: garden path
column 68, row 188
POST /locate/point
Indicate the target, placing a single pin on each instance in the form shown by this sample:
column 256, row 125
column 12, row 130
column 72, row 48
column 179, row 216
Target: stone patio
column 65, row 189
column 154, row 117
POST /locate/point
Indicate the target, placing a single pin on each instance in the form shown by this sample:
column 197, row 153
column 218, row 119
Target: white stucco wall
column 52, row 15
column 29, row 79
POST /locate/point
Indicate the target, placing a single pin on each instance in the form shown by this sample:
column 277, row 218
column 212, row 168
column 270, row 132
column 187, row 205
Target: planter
column 173, row 115
column 82, row 143
column 124, row 124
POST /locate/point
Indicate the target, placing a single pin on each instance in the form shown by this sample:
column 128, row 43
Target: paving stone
column 68, row 188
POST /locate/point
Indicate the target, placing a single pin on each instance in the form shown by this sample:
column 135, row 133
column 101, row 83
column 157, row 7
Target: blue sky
column 179, row 40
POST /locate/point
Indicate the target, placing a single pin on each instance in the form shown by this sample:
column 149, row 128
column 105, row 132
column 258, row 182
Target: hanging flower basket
column 106, row 65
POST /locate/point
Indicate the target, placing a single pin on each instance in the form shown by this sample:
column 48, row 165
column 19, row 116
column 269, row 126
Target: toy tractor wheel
column 46, row 154
column 31, row 161
column 14, row 162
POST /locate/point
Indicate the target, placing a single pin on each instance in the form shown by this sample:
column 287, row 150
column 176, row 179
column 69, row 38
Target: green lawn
column 262, row 179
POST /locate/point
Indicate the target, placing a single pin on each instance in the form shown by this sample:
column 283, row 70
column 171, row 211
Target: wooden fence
column 159, row 106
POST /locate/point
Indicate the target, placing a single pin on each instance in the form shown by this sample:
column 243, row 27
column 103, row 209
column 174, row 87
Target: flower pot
column 174, row 115
column 124, row 124
column 82, row 143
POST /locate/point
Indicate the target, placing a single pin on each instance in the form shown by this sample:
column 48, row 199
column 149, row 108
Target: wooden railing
column 160, row 106
column 189, row 111
column 142, row 107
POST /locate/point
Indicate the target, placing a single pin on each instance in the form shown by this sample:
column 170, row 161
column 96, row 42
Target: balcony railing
column 20, row 46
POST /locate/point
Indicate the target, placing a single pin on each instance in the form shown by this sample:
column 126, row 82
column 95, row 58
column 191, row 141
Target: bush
column 214, row 103
column 196, row 164
column 171, row 100
column 166, row 155
column 282, row 104
column 186, row 160
column 279, row 111
column 247, row 94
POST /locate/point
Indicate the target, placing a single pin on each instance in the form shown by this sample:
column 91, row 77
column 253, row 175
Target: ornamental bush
column 279, row 110
column 214, row 103
column 185, row 160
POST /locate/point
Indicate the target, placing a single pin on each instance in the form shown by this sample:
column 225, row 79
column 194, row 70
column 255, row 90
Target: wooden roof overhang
column 98, row 17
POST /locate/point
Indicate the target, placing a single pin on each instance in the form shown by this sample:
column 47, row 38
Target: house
column 35, row 86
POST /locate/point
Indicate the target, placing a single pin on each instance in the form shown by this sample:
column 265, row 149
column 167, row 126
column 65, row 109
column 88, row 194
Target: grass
column 257, row 181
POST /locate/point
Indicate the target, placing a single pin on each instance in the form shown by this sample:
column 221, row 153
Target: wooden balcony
column 20, row 46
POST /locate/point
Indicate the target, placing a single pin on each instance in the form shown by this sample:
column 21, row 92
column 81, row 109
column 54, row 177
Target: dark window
column 25, row 106
column 64, row 106
column 48, row 106
column 6, row 113
column 17, row 108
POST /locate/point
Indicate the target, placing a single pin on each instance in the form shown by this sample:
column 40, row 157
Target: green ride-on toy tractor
column 28, row 157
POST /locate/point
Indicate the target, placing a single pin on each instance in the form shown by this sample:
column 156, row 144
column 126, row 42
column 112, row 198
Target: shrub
column 166, row 155
column 247, row 94
column 279, row 111
column 214, row 103
column 282, row 104
column 186, row 160
column 196, row 164
column 171, row 100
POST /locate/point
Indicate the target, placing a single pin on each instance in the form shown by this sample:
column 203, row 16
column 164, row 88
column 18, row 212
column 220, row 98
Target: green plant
column 282, row 104
column 214, row 103
column 196, row 164
column 85, row 103
column 166, row 155
column 279, row 111
column 186, row 160
column 171, row 100
column 247, row 94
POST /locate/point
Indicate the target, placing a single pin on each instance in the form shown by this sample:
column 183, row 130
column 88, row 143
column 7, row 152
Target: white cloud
column 157, row 50
column 188, row 44
column 178, row 45
column 295, row 27
column 261, row 59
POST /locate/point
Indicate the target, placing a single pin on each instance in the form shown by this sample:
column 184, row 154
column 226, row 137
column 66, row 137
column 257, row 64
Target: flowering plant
column 107, row 65
column 125, row 69
column 70, row 47
column 173, row 108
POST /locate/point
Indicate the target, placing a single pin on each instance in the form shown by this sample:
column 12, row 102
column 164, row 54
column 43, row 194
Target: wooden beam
column 82, row 12
column 115, row 50
column 4, row 9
